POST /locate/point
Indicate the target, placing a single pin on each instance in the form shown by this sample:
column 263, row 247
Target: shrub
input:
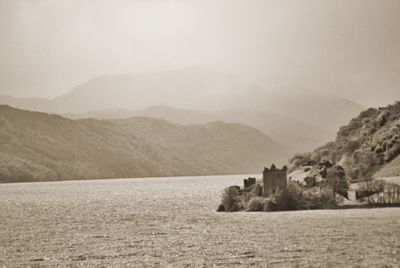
column 299, row 159
column 230, row 199
column 336, row 180
column 270, row 205
column 392, row 153
column 327, row 200
column 312, row 200
column 320, row 199
column 290, row 198
column 256, row 204
column 382, row 118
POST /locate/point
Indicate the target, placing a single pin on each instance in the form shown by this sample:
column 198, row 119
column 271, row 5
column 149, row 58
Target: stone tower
column 274, row 179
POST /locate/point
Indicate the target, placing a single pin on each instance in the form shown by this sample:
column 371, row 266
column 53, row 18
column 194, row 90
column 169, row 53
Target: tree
column 336, row 180
column 290, row 198
column 230, row 198
column 368, row 187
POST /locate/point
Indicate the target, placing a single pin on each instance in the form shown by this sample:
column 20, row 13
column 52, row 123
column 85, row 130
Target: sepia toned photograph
column 200, row 133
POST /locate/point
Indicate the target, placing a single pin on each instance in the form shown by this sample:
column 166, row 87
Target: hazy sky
column 349, row 47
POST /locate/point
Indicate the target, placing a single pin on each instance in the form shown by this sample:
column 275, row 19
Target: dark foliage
column 230, row 199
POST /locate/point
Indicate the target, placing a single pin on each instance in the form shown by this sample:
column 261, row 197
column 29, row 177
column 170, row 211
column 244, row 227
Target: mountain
column 39, row 147
column 205, row 90
column 31, row 104
column 209, row 143
column 298, row 136
column 391, row 169
column 194, row 88
column 199, row 95
column 175, row 115
column 321, row 110
column 369, row 146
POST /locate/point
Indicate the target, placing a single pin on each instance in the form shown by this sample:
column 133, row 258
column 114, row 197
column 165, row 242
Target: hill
column 198, row 95
column 391, row 169
column 298, row 136
column 174, row 115
column 39, row 147
column 31, row 104
column 370, row 143
column 229, row 144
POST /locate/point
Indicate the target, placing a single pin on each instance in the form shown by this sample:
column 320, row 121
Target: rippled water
column 171, row 222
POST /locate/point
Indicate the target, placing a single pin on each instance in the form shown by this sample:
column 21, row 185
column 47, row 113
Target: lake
column 172, row 222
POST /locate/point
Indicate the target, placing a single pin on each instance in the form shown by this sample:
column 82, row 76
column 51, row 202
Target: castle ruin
column 274, row 179
column 249, row 182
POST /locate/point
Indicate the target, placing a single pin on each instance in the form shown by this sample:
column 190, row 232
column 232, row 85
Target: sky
column 349, row 48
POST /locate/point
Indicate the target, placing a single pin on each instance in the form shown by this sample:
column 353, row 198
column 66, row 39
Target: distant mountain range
column 295, row 134
column 198, row 95
column 40, row 147
column 175, row 115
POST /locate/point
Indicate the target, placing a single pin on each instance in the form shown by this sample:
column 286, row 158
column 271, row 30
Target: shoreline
column 344, row 207
column 127, row 178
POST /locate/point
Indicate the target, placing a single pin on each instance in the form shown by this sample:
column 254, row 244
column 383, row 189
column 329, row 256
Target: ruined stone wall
column 249, row 182
column 274, row 179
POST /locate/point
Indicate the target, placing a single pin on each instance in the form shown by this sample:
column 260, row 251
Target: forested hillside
column 38, row 147
column 370, row 143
